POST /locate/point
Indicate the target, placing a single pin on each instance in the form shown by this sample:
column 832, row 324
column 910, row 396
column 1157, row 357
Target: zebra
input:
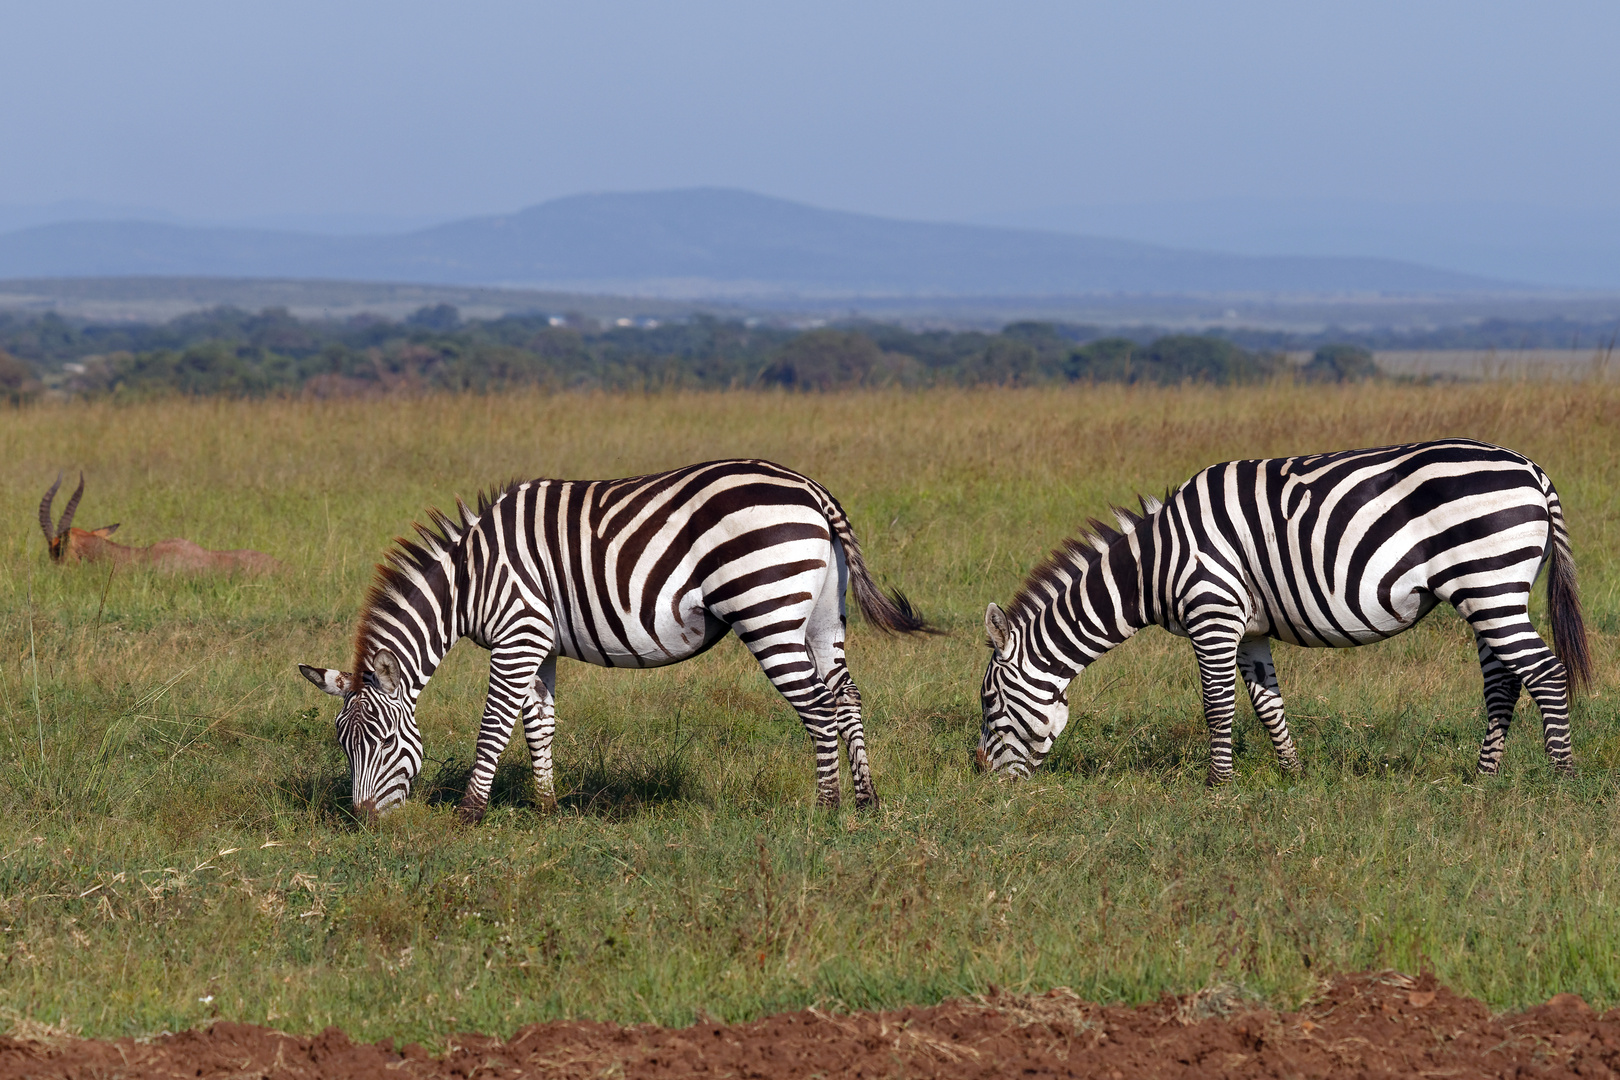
column 638, row 572
column 1328, row 550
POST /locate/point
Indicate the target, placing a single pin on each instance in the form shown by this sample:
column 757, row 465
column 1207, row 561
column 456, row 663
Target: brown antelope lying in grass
column 91, row 545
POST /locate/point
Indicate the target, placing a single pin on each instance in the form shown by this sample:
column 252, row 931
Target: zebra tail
column 892, row 612
column 1564, row 603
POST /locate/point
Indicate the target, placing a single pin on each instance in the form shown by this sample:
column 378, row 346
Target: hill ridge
column 713, row 242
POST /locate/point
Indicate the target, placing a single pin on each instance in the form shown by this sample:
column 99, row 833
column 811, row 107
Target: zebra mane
column 1078, row 553
column 407, row 562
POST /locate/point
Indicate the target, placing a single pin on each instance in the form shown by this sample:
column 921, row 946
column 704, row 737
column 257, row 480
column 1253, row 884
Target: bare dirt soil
column 1366, row 1025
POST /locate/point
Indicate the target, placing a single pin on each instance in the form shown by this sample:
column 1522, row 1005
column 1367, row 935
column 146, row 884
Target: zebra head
column 1025, row 710
column 377, row 730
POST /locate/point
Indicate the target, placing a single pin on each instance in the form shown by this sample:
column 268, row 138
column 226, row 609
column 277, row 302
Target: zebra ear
column 997, row 627
column 336, row 683
column 385, row 665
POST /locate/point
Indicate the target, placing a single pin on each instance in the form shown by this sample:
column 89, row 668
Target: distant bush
column 1173, row 359
column 838, row 359
column 441, row 317
column 824, row 360
column 18, row 381
column 1339, row 363
column 236, row 353
column 1107, row 360
column 210, row 368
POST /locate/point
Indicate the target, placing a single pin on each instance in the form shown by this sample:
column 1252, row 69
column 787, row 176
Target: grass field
column 175, row 842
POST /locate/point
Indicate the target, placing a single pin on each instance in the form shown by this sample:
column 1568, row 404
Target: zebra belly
column 1293, row 627
column 680, row 631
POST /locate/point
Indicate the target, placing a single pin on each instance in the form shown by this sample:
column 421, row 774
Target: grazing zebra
column 1327, row 550
column 639, row 572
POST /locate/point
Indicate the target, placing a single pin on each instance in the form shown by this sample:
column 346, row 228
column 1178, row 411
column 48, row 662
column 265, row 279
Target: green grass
column 175, row 841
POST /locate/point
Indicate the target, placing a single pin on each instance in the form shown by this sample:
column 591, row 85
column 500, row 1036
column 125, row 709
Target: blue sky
column 936, row 110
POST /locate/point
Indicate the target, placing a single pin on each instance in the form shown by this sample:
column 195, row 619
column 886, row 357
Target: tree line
column 234, row 352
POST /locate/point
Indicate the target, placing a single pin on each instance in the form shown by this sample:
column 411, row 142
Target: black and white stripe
column 1327, row 550
column 639, row 572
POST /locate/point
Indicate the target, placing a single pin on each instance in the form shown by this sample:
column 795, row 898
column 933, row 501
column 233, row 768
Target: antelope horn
column 45, row 510
column 73, row 504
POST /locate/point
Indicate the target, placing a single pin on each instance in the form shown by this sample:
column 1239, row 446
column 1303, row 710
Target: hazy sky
column 927, row 110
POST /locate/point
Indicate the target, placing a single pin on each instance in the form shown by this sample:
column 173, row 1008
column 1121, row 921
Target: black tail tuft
column 891, row 613
column 1564, row 606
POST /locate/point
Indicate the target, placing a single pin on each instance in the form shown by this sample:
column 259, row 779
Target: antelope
column 91, row 545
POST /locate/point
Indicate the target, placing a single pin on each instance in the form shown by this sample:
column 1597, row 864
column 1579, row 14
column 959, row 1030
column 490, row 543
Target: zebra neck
column 1100, row 599
column 417, row 616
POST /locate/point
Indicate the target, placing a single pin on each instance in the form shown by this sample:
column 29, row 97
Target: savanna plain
column 176, row 842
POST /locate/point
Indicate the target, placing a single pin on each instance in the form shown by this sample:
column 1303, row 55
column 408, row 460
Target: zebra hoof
column 1488, row 768
column 826, row 800
column 868, row 803
column 1216, row 779
column 470, row 814
column 547, row 803
column 1564, row 769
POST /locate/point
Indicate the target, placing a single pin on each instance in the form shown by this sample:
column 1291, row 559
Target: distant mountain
column 708, row 242
column 15, row 216
column 1556, row 247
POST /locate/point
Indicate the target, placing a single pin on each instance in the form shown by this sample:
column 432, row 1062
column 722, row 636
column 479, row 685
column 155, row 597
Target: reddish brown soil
column 1369, row 1025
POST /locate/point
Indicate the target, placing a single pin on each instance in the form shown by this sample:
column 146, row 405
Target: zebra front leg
column 511, row 679
column 1502, row 689
column 537, row 732
column 1259, row 673
column 1216, row 648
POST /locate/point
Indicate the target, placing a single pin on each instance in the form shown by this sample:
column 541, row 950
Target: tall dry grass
column 175, row 838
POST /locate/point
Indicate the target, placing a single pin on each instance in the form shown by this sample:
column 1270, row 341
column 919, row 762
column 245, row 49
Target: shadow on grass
column 1158, row 746
column 323, row 794
column 1407, row 744
column 614, row 780
column 513, row 786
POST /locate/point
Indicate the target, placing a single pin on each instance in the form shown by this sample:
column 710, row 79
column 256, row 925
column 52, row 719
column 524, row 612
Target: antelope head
column 65, row 541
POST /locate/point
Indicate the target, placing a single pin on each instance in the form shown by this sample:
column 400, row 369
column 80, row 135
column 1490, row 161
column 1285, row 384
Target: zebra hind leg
column 1502, row 689
column 1259, row 674
column 538, row 731
column 1507, row 632
column 818, row 711
column 785, row 632
column 791, row 669
column 826, row 638
column 850, row 728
